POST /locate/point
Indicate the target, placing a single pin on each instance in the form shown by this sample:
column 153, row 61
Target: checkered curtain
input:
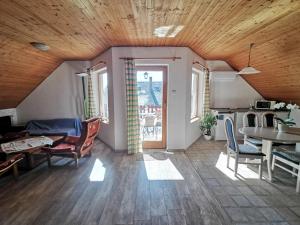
column 206, row 104
column 91, row 97
column 133, row 125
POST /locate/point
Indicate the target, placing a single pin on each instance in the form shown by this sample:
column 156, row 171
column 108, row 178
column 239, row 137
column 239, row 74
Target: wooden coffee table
column 33, row 156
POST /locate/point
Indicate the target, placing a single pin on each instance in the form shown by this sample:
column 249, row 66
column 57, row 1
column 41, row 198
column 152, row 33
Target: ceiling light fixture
column 40, row 46
column 167, row 31
column 249, row 69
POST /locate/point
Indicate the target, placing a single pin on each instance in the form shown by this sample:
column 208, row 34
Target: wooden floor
column 246, row 199
column 154, row 188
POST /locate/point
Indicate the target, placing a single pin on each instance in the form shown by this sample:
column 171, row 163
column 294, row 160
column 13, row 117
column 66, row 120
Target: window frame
column 100, row 72
column 196, row 102
column 199, row 93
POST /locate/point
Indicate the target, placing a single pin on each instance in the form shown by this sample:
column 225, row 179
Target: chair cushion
column 62, row 147
column 288, row 155
column 249, row 150
column 255, row 141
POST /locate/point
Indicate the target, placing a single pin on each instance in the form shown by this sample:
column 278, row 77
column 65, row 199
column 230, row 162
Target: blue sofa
column 61, row 127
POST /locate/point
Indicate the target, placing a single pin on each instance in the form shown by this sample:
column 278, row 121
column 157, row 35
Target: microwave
column 264, row 104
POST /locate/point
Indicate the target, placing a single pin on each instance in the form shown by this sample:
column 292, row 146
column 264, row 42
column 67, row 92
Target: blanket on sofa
column 63, row 127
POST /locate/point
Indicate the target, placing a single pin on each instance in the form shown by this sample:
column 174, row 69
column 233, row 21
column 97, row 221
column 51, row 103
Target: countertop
column 234, row 110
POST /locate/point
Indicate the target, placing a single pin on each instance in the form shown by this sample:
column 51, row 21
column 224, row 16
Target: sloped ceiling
column 215, row 29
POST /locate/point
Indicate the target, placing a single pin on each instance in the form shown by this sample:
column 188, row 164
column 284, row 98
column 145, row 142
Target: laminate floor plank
column 152, row 188
column 142, row 202
column 157, row 201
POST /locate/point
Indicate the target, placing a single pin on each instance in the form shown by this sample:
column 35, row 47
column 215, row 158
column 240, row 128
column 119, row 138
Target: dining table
column 269, row 136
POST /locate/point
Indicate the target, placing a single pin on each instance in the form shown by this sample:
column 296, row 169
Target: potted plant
column 206, row 125
column 283, row 125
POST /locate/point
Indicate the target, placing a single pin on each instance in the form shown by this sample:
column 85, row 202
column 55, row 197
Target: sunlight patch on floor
column 98, row 172
column 162, row 170
column 243, row 171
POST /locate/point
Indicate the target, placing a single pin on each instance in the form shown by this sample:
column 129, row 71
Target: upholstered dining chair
column 239, row 151
column 290, row 162
column 250, row 119
column 11, row 163
column 76, row 147
column 268, row 119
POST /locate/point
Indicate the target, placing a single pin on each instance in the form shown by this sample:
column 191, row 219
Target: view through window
column 103, row 95
column 197, row 93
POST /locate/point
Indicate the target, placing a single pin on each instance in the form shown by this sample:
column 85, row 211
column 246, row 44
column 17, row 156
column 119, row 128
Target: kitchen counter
column 233, row 110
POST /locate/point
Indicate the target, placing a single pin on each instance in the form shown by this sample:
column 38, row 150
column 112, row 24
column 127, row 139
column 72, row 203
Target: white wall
column 176, row 108
column 192, row 130
column 295, row 114
column 10, row 112
column 230, row 93
column 107, row 130
column 58, row 96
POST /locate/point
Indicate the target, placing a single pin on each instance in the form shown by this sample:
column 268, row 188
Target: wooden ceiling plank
column 215, row 29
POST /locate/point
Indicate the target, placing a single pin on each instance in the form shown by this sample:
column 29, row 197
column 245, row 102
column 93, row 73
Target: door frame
column 163, row 143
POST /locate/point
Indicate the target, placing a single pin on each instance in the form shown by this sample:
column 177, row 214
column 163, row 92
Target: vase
column 207, row 137
column 282, row 127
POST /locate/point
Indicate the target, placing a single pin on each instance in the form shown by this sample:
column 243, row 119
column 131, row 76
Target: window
column 197, row 93
column 194, row 94
column 103, row 95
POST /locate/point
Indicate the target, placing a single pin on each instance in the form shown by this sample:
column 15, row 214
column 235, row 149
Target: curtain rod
column 173, row 58
column 98, row 63
column 197, row 62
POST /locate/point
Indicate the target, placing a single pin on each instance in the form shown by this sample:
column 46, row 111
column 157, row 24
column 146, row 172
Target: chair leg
column 76, row 160
column 298, row 181
column 294, row 170
column 236, row 163
column 260, row 168
column 273, row 163
column 49, row 160
column 15, row 171
column 228, row 158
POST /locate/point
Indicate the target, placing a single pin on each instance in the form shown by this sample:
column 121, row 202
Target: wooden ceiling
column 215, row 29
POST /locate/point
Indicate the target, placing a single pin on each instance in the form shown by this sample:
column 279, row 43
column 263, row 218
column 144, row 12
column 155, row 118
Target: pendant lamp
column 249, row 69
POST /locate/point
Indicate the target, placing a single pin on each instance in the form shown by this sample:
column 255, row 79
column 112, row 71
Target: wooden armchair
column 11, row 162
column 76, row 147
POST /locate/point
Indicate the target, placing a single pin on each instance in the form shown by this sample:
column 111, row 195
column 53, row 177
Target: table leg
column 267, row 150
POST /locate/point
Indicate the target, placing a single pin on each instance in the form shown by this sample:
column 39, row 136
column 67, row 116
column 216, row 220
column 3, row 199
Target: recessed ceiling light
column 40, row 46
column 167, row 31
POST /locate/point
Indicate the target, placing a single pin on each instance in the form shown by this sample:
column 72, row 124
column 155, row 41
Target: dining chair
column 149, row 123
column 241, row 151
column 250, row 119
column 268, row 119
column 292, row 161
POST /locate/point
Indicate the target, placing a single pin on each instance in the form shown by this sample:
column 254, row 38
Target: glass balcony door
column 152, row 92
